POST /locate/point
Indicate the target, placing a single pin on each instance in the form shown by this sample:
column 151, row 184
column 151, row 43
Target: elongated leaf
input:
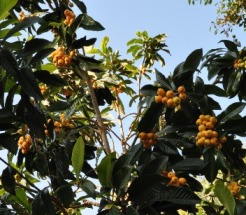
column 150, row 117
column 21, row 198
column 28, row 83
column 78, row 155
column 8, row 62
column 105, row 169
column 50, row 79
column 34, row 45
column 189, row 164
column 156, row 166
column 65, row 193
column 88, row 23
column 5, row 7
column 122, row 176
column 215, row 90
column 145, row 189
column 80, row 5
column 27, row 22
column 225, row 197
column 77, row 44
column 131, row 211
column 179, row 195
column 8, row 180
column 8, row 141
column 231, row 46
column 162, row 80
column 210, row 169
column 231, row 111
column 88, row 187
column 115, row 211
column 41, row 55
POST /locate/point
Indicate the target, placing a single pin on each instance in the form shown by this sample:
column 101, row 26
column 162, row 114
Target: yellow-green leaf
column 78, row 155
column 5, row 7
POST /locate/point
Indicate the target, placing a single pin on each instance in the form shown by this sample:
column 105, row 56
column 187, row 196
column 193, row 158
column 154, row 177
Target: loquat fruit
column 169, row 94
column 181, row 89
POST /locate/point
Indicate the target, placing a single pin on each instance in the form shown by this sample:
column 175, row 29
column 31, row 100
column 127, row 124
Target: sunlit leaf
column 5, row 7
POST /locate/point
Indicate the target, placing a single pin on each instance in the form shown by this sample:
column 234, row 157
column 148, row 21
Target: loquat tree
column 178, row 153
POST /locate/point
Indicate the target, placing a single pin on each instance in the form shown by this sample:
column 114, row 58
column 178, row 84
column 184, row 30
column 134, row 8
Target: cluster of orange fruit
column 70, row 16
column 234, row 188
column 24, row 143
column 119, row 89
column 63, row 123
column 67, row 92
column 207, row 135
column 240, row 63
column 171, row 99
column 43, row 89
column 60, row 58
column 22, row 16
column 148, row 139
column 175, row 181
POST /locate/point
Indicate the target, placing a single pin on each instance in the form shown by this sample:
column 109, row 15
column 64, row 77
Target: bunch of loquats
column 170, row 98
column 240, row 62
column 235, row 189
column 174, row 180
column 207, row 135
column 148, row 139
column 24, row 143
column 70, row 17
column 60, row 58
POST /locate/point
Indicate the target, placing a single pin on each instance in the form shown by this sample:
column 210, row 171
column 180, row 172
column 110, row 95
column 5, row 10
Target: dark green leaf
column 65, row 193
column 189, row 164
column 89, row 23
column 162, row 80
column 231, row 111
column 105, row 169
column 156, row 166
column 210, row 169
column 88, row 187
column 144, row 189
column 8, row 180
column 28, row 83
column 41, row 55
column 179, row 195
column 121, row 177
column 8, row 62
column 225, row 197
column 34, row 45
column 215, row 90
column 80, row 5
column 115, row 211
column 80, row 43
column 42, row 204
column 150, row 117
column 27, row 22
column 231, row 46
column 131, row 211
column 148, row 90
column 8, row 141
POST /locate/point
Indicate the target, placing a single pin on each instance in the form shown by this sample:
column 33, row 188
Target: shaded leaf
column 80, row 5
column 231, row 46
column 105, row 169
column 225, row 197
column 78, row 155
column 189, row 164
column 88, row 187
column 8, row 141
column 27, row 22
column 41, row 55
column 88, row 23
column 8, row 180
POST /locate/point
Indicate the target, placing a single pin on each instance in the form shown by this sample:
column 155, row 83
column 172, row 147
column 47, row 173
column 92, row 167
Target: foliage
column 57, row 100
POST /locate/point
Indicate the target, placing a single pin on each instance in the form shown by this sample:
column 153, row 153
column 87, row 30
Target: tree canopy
column 182, row 153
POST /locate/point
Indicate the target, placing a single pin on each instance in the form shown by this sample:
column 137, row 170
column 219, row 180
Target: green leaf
column 28, row 83
column 4, row 32
column 231, row 111
column 115, row 211
column 105, row 169
column 189, row 164
column 225, row 197
column 27, row 22
column 131, row 211
column 5, row 7
column 21, row 198
column 231, row 46
column 65, row 193
column 50, row 79
column 156, row 166
column 8, row 141
column 8, row 62
column 78, row 154
column 34, row 45
column 215, row 90
column 144, row 189
column 80, row 5
column 162, row 80
column 88, row 23
column 8, row 180
column 150, row 117
column 104, row 44
column 77, row 44
column 179, row 195
column 42, row 203
column 121, row 177
column 88, row 187
column 210, row 169
column 41, row 55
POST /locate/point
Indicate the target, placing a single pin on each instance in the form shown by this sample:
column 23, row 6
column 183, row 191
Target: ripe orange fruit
column 198, row 122
column 214, row 141
column 161, row 92
column 181, row 89
column 158, row 99
column 164, row 100
column 169, row 94
column 170, row 103
column 209, row 125
column 201, row 128
column 182, row 96
column 223, row 139
column 213, row 120
column 182, row 181
column 171, row 174
column 142, row 135
column 214, row 134
column 176, row 100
